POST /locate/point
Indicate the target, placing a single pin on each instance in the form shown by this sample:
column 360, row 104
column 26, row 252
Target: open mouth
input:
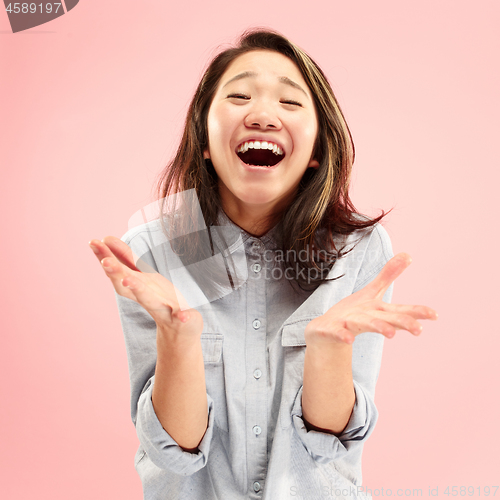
column 260, row 153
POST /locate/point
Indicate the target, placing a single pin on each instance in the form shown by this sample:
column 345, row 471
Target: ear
column 313, row 163
column 206, row 154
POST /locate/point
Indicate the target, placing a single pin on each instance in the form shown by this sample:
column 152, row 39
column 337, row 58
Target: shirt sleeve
column 366, row 361
column 139, row 330
column 161, row 448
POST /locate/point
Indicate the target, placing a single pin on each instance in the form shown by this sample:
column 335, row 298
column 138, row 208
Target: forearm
column 179, row 392
column 328, row 395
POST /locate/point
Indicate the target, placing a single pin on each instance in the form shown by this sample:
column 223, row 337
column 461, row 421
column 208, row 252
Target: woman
column 253, row 388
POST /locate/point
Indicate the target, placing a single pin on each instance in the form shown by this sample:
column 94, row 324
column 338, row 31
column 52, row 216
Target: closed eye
column 238, row 96
column 247, row 98
column 295, row 103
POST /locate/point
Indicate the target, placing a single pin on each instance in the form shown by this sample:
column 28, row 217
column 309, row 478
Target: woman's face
column 262, row 98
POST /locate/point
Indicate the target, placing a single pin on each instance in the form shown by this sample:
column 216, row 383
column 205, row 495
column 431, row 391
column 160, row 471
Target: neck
column 255, row 220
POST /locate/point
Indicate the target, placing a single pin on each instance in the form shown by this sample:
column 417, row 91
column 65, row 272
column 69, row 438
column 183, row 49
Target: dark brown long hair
column 322, row 209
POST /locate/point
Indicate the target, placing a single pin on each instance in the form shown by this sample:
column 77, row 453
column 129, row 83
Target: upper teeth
column 260, row 145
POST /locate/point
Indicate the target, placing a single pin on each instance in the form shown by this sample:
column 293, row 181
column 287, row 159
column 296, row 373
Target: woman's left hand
column 365, row 311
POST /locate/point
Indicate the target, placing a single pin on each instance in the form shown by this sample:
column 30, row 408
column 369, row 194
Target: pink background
column 92, row 108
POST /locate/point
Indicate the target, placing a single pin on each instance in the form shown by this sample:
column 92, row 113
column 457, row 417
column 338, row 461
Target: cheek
column 306, row 129
column 306, row 135
column 216, row 139
column 219, row 122
column 219, row 136
column 313, row 133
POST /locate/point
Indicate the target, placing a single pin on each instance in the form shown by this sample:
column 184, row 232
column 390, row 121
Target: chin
column 256, row 198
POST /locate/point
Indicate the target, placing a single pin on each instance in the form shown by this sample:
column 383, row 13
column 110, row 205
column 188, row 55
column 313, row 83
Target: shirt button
column 256, row 268
column 257, row 374
column 257, row 245
column 256, row 324
column 256, row 486
column 257, row 430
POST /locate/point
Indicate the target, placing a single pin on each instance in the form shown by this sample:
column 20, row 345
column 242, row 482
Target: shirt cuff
column 324, row 447
column 160, row 447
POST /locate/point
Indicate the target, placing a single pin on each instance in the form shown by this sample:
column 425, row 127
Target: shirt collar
column 268, row 240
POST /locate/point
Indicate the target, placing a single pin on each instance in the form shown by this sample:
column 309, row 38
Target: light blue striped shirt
column 256, row 445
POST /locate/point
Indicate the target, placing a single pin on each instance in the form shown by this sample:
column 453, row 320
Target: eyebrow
column 252, row 74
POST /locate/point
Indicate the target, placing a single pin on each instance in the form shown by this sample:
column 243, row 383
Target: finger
column 331, row 332
column 116, row 271
column 399, row 321
column 121, row 251
column 392, row 270
column 362, row 322
column 100, row 249
column 344, row 335
column 415, row 311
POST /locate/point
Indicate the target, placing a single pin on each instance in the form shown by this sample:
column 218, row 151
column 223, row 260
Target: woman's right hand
column 151, row 290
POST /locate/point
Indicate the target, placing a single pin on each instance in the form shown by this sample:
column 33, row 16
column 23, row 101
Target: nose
column 262, row 116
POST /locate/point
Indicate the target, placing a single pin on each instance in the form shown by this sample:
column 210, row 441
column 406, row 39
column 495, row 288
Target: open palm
column 365, row 311
column 151, row 290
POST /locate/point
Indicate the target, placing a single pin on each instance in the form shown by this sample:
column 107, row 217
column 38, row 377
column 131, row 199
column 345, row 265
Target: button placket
column 257, row 246
column 256, row 400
